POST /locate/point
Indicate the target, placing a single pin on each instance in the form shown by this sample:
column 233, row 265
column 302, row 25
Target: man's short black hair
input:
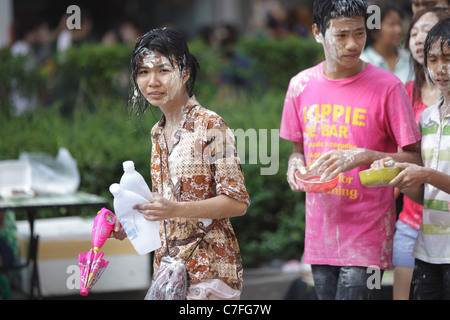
column 325, row 10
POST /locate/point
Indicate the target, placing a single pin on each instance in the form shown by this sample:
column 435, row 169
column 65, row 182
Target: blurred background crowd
column 40, row 26
column 39, row 29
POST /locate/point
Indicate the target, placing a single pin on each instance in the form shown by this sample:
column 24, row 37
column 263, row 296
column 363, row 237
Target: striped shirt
column 433, row 241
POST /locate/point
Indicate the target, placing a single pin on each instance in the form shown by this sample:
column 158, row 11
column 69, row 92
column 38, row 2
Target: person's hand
column 383, row 163
column 295, row 164
column 157, row 209
column 118, row 232
column 386, row 163
column 333, row 162
column 411, row 176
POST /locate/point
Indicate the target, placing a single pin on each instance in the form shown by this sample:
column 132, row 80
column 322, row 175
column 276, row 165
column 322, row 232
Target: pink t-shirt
column 351, row 224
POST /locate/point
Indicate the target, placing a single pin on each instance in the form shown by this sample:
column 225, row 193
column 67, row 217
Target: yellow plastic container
column 380, row 177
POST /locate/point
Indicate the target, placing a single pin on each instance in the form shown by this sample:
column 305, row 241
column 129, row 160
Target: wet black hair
column 170, row 43
column 325, row 10
column 440, row 32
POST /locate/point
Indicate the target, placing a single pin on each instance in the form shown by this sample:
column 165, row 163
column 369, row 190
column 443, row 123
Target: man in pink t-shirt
column 342, row 115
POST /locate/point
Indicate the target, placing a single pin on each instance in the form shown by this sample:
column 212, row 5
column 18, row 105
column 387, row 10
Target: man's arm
column 412, row 178
column 336, row 161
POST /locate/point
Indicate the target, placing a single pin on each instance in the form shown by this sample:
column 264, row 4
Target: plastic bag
column 53, row 175
column 170, row 282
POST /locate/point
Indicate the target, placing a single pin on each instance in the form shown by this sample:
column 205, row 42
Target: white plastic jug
column 143, row 234
column 133, row 180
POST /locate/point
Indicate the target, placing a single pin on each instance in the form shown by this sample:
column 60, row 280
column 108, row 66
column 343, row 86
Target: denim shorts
column 404, row 240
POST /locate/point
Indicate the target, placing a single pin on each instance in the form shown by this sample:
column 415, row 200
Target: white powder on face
column 174, row 84
column 172, row 80
column 438, row 70
column 431, row 73
column 319, row 38
column 334, row 48
column 151, row 60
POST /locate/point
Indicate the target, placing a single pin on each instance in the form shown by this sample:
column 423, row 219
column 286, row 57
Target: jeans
column 404, row 239
column 430, row 281
column 343, row 282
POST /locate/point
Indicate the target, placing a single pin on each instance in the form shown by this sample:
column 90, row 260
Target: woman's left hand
column 119, row 232
column 158, row 209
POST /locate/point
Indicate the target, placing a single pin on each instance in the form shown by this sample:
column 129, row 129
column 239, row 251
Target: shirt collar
column 435, row 116
column 185, row 110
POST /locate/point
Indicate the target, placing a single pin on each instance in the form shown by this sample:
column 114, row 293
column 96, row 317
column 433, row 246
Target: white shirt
column 433, row 242
column 403, row 68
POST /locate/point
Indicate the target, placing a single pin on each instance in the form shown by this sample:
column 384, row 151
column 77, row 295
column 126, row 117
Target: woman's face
column 390, row 33
column 419, row 33
column 438, row 65
column 159, row 81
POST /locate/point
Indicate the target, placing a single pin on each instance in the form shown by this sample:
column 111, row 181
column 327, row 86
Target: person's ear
column 186, row 75
column 316, row 32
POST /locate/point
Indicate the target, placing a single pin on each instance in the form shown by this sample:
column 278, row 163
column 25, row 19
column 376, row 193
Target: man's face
column 344, row 42
column 417, row 5
column 438, row 62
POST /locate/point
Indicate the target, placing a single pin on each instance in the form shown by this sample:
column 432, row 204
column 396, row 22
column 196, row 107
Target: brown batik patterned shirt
column 202, row 164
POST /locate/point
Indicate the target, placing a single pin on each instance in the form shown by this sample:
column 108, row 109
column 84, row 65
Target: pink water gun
column 103, row 226
column 92, row 263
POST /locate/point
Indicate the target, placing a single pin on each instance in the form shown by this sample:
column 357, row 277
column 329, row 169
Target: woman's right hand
column 119, row 232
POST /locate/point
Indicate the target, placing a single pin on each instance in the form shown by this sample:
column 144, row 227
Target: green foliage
column 100, row 141
column 277, row 61
column 84, row 110
column 210, row 68
column 82, row 76
column 17, row 74
column 257, row 65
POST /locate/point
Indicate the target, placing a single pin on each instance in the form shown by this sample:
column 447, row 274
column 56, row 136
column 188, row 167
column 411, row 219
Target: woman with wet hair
column 197, row 178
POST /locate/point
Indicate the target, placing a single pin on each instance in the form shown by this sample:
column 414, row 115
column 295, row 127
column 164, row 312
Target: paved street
column 259, row 284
